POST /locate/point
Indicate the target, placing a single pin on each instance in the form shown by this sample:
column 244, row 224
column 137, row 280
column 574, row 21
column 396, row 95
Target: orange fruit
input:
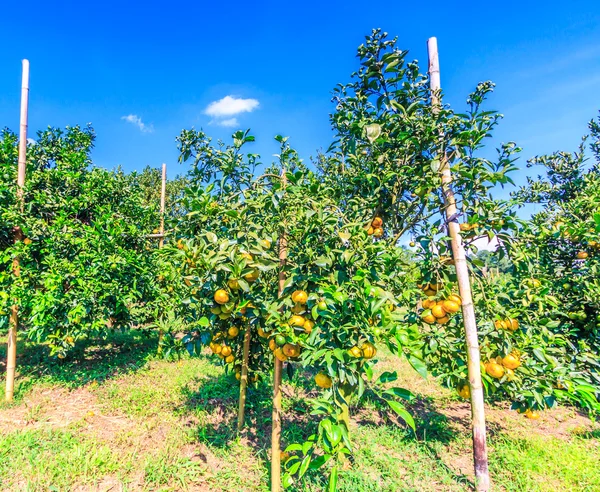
column 261, row 333
column 230, row 358
column 378, row 232
column 464, row 391
column 300, row 297
column 377, row 222
column 221, row 296
column 280, row 355
column 265, row 243
column 514, row 324
column 252, row 276
column 291, row 350
column 355, row 352
column 494, row 369
column 370, row 231
column 233, row 331
column 450, row 306
column 465, row 227
column 511, row 361
column 429, row 318
column 248, row 256
column 368, row 350
column 455, row 298
column 442, row 321
column 308, row 325
column 582, row 255
column 225, row 350
column 428, row 303
column 297, row 320
column 272, row 345
column 430, row 292
column 323, row 380
column 233, row 284
column 438, row 311
column 532, row 414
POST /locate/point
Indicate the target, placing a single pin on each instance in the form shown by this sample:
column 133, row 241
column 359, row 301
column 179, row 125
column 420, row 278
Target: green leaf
column 402, row 413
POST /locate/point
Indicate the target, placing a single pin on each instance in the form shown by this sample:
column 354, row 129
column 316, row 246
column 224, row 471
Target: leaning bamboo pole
column 163, row 192
column 11, row 351
column 278, row 368
column 482, row 478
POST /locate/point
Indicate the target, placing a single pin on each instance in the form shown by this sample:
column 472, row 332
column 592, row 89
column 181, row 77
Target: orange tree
column 556, row 269
column 84, row 263
column 389, row 147
column 336, row 305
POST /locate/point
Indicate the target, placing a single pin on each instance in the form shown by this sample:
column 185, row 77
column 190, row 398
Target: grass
column 114, row 416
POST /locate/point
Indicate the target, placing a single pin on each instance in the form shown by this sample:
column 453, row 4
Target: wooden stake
column 11, row 350
column 482, row 478
column 244, row 378
column 278, row 369
column 163, row 191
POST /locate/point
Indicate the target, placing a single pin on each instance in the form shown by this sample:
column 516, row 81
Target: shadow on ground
column 89, row 360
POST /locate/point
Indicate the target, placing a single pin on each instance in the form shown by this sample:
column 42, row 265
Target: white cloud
column 134, row 119
column 231, row 105
column 229, row 122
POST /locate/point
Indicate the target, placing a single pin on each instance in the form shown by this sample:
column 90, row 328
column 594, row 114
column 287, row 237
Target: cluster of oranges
column 501, row 366
column 222, row 349
column 438, row 311
column 367, row 351
column 376, row 227
column 300, row 320
column 507, row 324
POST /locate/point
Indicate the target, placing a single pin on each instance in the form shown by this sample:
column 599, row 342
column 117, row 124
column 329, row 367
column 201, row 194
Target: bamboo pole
column 163, row 190
column 11, row 349
column 482, row 478
column 244, row 378
column 278, row 368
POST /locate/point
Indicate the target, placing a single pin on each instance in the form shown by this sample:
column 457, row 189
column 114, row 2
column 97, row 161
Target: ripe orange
column 300, row 297
column 465, row 227
column 428, row 303
column 378, row 232
column 280, row 355
column 377, row 222
column 430, row 292
column 532, row 414
column 225, row 350
column 370, row 231
column 221, row 296
column 248, row 256
column 262, row 333
column 464, row 391
column 308, row 325
column 265, row 243
column 450, row 306
column 368, row 350
column 233, row 331
column 494, row 369
column 514, row 324
column 180, row 244
column 297, row 320
column 291, row 350
column 438, row 311
column 442, row 321
column 455, row 298
column 230, row 358
column 355, row 352
column 272, row 345
column 511, row 361
column 323, row 380
column 582, row 255
column 429, row 318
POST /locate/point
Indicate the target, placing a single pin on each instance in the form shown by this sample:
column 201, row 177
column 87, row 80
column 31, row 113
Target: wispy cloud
column 229, row 122
column 134, row 119
column 230, row 106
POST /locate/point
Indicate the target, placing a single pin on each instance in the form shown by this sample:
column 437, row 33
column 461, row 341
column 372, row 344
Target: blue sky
column 142, row 71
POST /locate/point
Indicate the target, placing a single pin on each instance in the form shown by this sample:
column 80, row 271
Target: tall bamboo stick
column 482, row 478
column 244, row 378
column 278, row 368
column 163, row 191
column 11, row 352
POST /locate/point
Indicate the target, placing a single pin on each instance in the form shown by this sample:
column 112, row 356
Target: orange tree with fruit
column 336, row 305
column 390, row 147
